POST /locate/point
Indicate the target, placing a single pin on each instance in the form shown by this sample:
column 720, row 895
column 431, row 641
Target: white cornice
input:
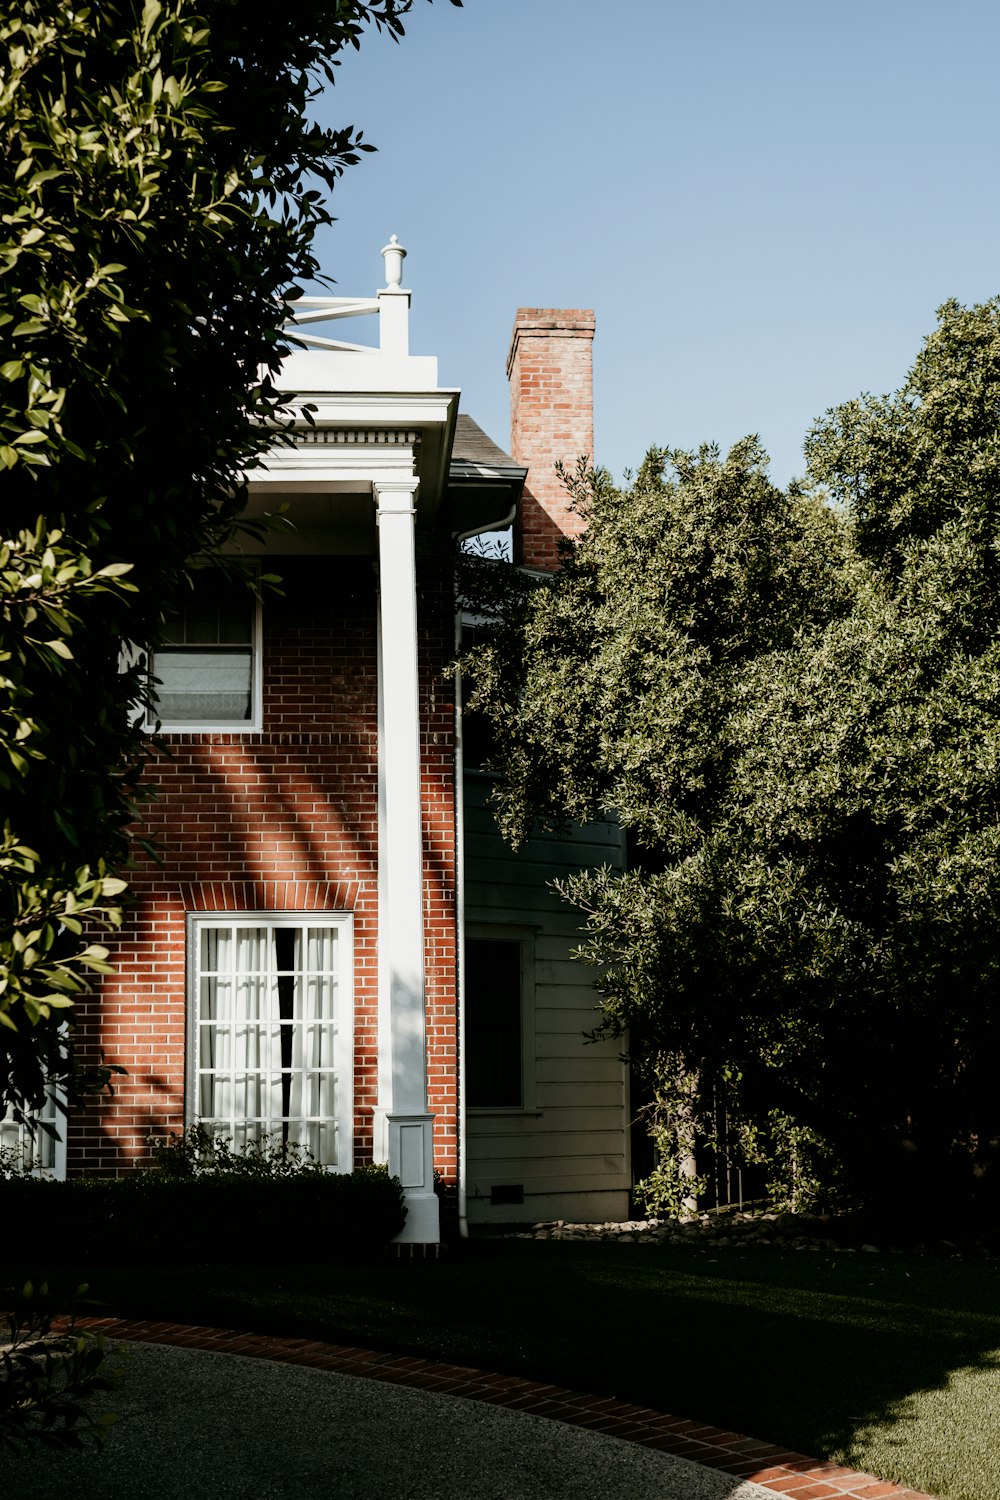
column 316, row 463
column 392, row 437
column 359, row 409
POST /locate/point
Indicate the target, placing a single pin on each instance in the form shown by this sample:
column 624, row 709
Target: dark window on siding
column 493, row 1023
column 478, row 739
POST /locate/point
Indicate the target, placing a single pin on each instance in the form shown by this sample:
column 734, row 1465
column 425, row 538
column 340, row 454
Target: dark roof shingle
column 472, row 446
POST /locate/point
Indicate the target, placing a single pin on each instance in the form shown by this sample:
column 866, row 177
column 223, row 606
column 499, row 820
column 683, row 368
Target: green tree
column 793, row 709
column 162, row 182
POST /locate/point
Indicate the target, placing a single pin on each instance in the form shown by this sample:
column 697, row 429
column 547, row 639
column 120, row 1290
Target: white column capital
column 396, row 496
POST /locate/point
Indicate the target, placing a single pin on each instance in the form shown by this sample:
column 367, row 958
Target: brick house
column 336, row 946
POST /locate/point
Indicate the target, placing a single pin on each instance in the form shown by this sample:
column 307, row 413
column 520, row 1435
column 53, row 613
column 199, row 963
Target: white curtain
column 266, row 1035
column 319, row 1012
column 202, row 685
column 233, row 1030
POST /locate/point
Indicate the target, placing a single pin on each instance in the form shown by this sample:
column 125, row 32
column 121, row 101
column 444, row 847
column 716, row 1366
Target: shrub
column 267, row 1205
column 15, row 1163
column 45, row 1377
column 199, row 1153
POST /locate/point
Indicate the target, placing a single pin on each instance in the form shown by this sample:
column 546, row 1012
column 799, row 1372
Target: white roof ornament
column 394, row 255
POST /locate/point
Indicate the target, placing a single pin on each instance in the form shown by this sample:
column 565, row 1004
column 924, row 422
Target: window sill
column 235, row 726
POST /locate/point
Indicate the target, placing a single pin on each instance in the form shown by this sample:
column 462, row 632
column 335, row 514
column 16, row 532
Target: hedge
column 210, row 1219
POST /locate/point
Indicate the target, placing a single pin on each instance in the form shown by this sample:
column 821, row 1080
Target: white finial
column 394, row 255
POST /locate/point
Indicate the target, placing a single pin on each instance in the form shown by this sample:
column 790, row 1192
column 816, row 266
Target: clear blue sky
column 764, row 201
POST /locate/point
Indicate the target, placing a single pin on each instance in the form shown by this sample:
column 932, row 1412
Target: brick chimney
column 550, row 370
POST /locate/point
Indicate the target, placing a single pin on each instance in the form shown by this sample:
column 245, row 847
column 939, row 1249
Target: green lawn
column 887, row 1362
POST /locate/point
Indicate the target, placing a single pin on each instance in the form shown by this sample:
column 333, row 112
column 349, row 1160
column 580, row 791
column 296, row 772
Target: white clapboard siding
column 516, row 1124
column 584, row 1174
column 534, row 1150
column 578, row 1094
column 552, row 973
column 568, row 1150
column 592, row 1065
column 564, row 1020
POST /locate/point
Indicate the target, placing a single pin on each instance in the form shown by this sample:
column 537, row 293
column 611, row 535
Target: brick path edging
column 791, row 1475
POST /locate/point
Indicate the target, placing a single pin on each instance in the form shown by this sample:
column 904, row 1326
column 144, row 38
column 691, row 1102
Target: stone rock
column 706, row 1231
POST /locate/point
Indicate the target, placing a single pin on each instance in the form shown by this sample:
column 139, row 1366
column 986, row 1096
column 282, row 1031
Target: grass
column 889, row 1363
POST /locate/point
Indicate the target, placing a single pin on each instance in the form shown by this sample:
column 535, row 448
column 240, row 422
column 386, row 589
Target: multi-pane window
column 272, row 1051
column 494, row 1032
column 205, row 673
column 42, row 1153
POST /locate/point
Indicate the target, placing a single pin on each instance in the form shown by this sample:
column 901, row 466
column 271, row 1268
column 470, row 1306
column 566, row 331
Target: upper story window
column 206, row 673
column 478, row 739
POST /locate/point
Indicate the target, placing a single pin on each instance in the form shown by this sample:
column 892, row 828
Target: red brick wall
column 282, row 820
column 550, row 371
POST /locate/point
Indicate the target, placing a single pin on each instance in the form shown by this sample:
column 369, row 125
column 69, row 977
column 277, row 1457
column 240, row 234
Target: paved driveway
column 193, row 1424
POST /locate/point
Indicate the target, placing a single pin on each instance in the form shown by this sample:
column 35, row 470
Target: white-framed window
column 206, row 673
column 499, row 1033
column 42, row 1153
column 271, row 1041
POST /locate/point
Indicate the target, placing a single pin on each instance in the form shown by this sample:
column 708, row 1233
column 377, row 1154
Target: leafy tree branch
column 162, row 182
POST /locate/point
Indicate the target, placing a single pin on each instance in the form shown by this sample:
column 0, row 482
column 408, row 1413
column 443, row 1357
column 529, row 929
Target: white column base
column 411, row 1159
column 423, row 1221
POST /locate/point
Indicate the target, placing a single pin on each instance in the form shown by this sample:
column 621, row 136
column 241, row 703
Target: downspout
column 463, row 1223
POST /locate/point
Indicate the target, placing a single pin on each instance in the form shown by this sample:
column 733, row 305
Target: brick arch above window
column 270, row 895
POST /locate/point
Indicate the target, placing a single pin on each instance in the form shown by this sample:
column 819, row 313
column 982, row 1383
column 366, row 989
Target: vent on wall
column 507, row 1192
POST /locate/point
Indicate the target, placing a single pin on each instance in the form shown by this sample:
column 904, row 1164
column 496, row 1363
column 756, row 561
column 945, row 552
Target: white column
column 404, row 1128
